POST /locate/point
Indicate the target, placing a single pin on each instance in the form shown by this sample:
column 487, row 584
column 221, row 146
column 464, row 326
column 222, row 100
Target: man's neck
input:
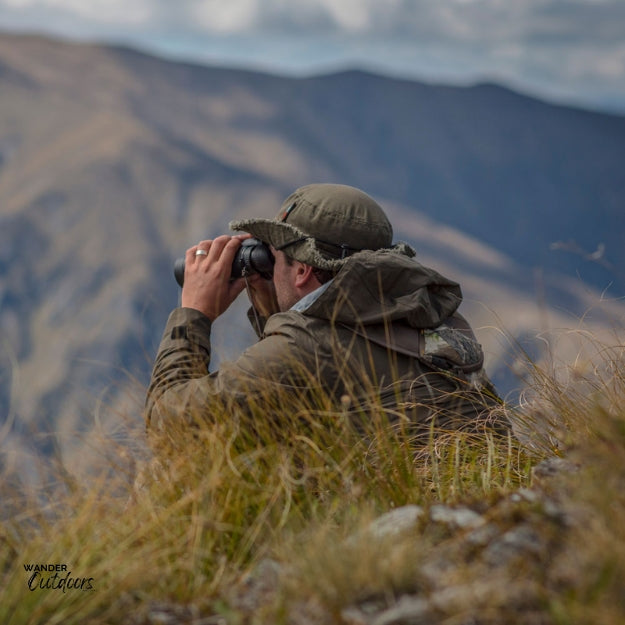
column 310, row 298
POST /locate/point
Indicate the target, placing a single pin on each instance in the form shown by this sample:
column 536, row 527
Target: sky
column 569, row 51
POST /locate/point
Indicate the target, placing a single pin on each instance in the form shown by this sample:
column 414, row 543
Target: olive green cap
column 322, row 224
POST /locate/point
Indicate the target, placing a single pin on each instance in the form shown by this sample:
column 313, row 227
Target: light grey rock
column 551, row 468
column 408, row 610
column 519, row 541
column 456, row 518
column 396, row 521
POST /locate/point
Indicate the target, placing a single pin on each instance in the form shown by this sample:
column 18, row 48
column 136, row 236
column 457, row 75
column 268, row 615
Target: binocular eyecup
column 253, row 257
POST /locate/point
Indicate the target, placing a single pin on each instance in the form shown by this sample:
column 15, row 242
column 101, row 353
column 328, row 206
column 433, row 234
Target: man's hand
column 207, row 286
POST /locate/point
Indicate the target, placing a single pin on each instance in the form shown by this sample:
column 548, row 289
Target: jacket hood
column 380, row 286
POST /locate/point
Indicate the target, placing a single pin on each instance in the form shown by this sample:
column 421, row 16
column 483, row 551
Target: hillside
column 113, row 162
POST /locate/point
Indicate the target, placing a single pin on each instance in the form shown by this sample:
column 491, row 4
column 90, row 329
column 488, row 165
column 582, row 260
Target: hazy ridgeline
column 112, row 163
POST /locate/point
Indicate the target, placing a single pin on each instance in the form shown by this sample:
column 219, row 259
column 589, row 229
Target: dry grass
column 217, row 499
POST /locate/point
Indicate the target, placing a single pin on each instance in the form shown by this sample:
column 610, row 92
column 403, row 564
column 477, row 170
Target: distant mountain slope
column 113, row 162
column 517, row 173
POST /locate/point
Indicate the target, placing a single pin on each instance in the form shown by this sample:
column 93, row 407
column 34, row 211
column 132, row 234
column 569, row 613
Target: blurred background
column 493, row 133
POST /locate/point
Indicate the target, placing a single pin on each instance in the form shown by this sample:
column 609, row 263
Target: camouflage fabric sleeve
column 182, row 388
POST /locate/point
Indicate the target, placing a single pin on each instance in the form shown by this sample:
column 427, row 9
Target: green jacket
column 385, row 328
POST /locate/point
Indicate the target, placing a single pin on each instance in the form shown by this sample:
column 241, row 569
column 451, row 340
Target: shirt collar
column 311, row 298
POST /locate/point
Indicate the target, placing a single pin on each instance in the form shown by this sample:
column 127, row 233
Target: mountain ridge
column 112, row 162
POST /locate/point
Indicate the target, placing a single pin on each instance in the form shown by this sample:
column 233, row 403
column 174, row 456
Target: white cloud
column 611, row 66
column 352, row 15
column 98, row 10
column 466, row 19
column 564, row 46
column 224, row 17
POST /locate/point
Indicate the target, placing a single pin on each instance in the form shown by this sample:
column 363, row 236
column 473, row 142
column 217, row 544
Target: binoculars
column 252, row 257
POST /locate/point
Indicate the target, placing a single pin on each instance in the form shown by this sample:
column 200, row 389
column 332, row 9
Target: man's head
column 322, row 224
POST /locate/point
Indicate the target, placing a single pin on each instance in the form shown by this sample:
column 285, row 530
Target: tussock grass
column 215, row 500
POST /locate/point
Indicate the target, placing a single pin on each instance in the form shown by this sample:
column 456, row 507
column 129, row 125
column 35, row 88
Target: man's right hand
column 207, row 285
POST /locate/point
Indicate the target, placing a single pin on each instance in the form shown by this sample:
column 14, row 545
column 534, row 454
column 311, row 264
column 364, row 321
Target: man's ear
column 304, row 276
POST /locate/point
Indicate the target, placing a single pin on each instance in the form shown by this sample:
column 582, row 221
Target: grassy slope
column 216, row 504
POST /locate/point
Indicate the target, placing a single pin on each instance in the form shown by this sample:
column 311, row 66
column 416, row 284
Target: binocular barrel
column 252, row 257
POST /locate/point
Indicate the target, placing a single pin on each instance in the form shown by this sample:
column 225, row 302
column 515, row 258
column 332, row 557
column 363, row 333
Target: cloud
column 98, row 11
column 565, row 47
column 467, row 20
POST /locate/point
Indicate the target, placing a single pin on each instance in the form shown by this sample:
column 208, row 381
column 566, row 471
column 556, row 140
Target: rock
column 551, row 468
column 163, row 613
column 408, row 610
column 522, row 542
column 470, row 571
column 456, row 518
column 396, row 521
column 257, row 588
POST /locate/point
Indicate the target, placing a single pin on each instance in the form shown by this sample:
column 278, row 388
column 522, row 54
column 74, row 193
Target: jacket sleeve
column 182, row 389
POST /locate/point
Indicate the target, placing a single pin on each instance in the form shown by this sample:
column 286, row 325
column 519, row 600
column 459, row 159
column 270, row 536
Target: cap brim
column 301, row 246
column 270, row 231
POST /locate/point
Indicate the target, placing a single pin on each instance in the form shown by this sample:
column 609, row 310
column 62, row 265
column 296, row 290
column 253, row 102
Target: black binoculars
column 252, row 257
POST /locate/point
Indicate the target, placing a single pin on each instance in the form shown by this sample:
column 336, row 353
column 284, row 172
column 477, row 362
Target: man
column 347, row 314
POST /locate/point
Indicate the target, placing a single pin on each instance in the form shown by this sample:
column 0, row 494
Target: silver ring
column 201, row 253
